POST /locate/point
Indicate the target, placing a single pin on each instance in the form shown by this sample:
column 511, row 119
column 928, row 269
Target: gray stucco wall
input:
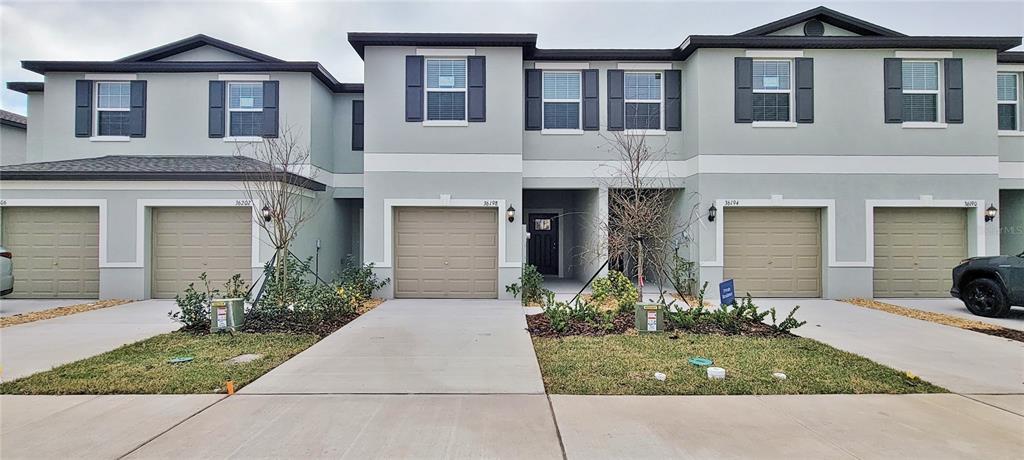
column 1011, row 221
column 36, row 132
column 12, row 145
column 345, row 159
column 207, row 53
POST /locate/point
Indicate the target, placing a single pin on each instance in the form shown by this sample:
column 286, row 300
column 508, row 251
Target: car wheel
column 985, row 297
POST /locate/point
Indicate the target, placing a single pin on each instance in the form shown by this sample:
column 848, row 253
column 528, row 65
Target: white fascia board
column 605, row 169
column 1011, row 170
column 442, row 162
column 1009, row 67
column 848, row 164
column 562, row 65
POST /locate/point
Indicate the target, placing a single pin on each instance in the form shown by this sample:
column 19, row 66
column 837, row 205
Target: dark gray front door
column 543, row 253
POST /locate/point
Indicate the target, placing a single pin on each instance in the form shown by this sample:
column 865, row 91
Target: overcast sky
column 307, row 30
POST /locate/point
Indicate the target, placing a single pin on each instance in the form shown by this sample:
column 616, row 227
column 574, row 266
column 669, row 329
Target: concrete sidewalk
column 956, row 359
column 41, row 345
column 417, row 346
column 955, row 307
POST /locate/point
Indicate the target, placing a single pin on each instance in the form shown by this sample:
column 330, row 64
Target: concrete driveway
column 417, row 346
column 959, row 360
column 955, row 307
column 41, row 345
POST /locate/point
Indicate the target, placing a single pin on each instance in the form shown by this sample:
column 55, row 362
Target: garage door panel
column 56, row 251
column 445, row 252
column 773, row 252
column 915, row 249
column 188, row 241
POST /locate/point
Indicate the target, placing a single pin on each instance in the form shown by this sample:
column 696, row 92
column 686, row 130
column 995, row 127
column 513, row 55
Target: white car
column 6, row 271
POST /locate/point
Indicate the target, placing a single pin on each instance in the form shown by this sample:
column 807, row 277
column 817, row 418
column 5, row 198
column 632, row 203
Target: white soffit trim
column 442, row 162
column 349, row 180
column 562, row 65
column 1011, row 170
column 111, row 76
column 916, row 54
column 1010, row 67
column 645, row 66
column 847, row 164
column 604, row 169
column 774, row 53
column 445, row 52
column 242, row 77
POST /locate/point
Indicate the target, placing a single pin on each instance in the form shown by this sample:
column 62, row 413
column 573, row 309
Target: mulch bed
column 540, row 326
column 59, row 311
column 941, row 318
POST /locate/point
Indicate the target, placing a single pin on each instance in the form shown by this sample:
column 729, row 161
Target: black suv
column 990, row 285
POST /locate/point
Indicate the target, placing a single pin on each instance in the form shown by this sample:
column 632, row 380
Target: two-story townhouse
column 826, row 156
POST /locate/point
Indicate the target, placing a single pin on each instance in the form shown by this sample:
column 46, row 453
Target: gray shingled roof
column 13, row 119
column 148, row 167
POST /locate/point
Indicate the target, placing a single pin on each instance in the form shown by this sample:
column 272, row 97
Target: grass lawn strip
column 142, row 368
column 941, row 318
column 59, row 311
column 625, row 365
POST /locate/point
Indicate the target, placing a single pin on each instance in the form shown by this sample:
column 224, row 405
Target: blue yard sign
column 727, row 292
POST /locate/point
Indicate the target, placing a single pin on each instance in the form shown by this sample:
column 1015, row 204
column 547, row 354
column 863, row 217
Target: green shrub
column 617, row 287
column 194, row 305
column 683, row 275
column 561, row 315
column 739, row 318
column 359, row 278
column 300, row 303
column 532, row 288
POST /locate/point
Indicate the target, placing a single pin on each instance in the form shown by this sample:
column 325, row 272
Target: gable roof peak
column 826, row 15
column 193, row 42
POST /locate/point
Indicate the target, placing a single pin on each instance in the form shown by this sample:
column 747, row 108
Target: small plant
column 236, row 287
column 360, row 278
column 787, row 324
column 562, row 315
column 683, row 275
column 741, row 318
column 300, row 303
column 532, row 290
column 194, row 306
column 615, row 287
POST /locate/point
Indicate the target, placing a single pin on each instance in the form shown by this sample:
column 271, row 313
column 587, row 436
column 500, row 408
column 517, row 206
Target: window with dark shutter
column 477, row 92
column 137, row 113
column 357, row 125
column 83, row 108
column 533, row 110
column 744, row 90
column 616, row 102
column 216, row 112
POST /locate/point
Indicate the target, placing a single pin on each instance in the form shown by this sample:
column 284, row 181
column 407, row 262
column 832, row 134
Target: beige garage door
column 916, row 249
column 190, row 241
column 446, row 253
column 774, row 252
column 56, row 251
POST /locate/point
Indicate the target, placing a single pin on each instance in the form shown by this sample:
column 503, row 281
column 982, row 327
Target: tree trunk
column 639, row 270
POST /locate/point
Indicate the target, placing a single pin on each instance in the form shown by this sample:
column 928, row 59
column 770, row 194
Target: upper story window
column 773, row 91
column 562, row 98
column 245, row 109
column 1007, row 87
column 642, row 93
column 113, row 105
column 920, row 91
column 446, row 89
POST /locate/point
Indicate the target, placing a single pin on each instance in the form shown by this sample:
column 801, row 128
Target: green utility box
column 226, row 314
column 650, row 317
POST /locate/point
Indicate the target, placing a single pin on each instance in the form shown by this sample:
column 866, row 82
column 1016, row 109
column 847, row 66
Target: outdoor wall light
column 511, row 213
column 990, row 213
column 266, row 213
column 712, row 212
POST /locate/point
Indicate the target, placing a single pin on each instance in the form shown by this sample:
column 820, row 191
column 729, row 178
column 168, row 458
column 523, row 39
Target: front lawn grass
column 142, row 367
column 625, row 365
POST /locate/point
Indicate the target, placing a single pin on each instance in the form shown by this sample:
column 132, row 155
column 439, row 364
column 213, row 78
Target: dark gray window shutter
column 217, row 99
column 271, row 108
column 744, row 90
column 893, row 69
column 954, row 80
column 673, row 100
column 534, row 112
column 616, row 103
column 804, row 90
column 414, row 88
column 477, row 70
column 591, row 100
column 357, row 125
column 83, row 108
column 137, row 112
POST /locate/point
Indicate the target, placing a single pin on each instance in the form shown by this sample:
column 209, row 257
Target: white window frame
column 227, row 105
column 1015, row 103
column 661, row 105
column 791, row 122
column 426, row 90
column 96, row 112
column 940, row 120
column 578, row 101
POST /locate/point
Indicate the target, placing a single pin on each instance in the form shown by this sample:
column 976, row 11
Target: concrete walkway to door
column 417, row 346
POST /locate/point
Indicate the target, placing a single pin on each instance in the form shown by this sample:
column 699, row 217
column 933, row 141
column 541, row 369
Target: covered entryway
column 543, row 242
column 446, row 252
column 189, row 241
column 56, row 251
column 773, row 252
column 916, row 249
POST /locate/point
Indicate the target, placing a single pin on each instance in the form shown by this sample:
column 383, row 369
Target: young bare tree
column 282, row 204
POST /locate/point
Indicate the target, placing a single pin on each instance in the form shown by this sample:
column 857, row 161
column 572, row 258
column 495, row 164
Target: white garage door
column 56, row 251
column 773, row 252
column 446, row 253
column 916, row 250
column 189, row 241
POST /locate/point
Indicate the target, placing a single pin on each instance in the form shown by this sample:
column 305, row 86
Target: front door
column 543, row 252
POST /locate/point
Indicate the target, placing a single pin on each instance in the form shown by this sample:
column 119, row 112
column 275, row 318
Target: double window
column 245, row 109
column 920, row 91
column 562, row 99
column 773, row 90
column 642, row 93
column 446, row 89
column 1007, row 97
column 113, row 105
